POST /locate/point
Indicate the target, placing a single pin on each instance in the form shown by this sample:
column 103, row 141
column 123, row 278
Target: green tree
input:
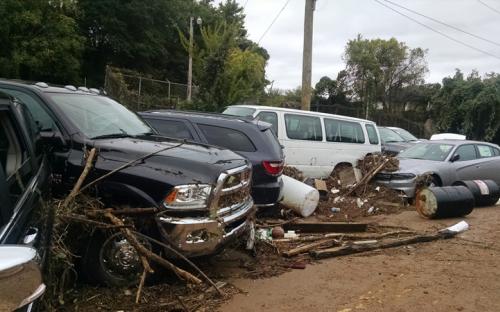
column 378, row 69
column 40, row 41
column 469, row 105
column 223, row 72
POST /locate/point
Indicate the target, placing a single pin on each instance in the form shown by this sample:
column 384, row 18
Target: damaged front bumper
column 202, row 236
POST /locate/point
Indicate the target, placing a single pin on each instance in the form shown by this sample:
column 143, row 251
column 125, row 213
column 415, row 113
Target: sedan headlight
column 191, row 196
column 403, row 176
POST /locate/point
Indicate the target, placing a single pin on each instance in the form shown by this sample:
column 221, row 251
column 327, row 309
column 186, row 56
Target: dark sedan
column 251, row 139
column 395, row 140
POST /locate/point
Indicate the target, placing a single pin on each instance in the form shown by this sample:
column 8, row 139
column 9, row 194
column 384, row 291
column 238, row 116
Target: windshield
column 389, row 136
column 405, row 134
column 99, row 116
column 427, row 151
column 239, row 111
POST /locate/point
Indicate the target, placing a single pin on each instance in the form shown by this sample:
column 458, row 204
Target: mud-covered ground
column 459, row 274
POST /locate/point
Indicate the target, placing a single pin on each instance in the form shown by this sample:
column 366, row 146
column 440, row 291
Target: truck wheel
column 112, row 261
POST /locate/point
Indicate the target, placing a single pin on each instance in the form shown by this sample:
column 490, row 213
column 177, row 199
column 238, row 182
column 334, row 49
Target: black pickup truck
column 202, row 192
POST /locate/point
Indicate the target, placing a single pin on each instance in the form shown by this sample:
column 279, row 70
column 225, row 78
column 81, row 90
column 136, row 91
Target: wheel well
column 342, row 165
column 437, row 179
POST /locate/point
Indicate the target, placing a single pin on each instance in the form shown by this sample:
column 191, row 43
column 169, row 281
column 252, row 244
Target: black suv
column 202, row 192
column 251, row 139
column 24, row 220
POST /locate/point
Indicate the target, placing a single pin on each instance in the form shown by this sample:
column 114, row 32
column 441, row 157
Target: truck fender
column 130, row 190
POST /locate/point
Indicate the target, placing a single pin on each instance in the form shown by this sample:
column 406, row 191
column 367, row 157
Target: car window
column 171, row 128
column 16, row 161
column 389, row 136
column 239, row 111
column 427, row 151
column 301, row 127
column 42, row 118
column 229, row 138
column 496, row 151
column 372, row 134
column 343, row 131
column 270, row 117
column 466, row 152
column 485, row 151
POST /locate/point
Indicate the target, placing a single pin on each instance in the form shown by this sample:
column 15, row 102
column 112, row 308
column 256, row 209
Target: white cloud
column 337, row 21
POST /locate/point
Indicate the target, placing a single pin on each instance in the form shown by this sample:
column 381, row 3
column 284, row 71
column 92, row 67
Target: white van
column 313, row 142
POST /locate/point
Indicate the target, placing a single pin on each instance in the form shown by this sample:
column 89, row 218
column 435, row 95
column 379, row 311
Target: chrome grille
column 232, row 190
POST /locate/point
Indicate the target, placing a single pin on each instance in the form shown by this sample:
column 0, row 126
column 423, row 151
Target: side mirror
column 455, row 158
column 20, row 277
column 52, row 139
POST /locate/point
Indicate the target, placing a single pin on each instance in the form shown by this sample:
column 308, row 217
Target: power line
column 274, row 20
column 444, row 24
column 489, row 6
column 245, row 5
column 437, row 31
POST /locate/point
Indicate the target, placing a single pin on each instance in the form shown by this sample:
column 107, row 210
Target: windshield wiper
column 111, row 136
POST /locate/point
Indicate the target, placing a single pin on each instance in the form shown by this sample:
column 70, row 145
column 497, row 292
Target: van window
column 343, row 131
column 228, row 138
column 300, row 127
column 372, row 134
column 271, row 118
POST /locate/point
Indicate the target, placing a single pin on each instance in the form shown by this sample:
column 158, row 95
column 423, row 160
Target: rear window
column 372, row 134
column 239, row 111
column 343, row 131
column 229, row 138
column 485, row 151
column 171, row 128
column 274, row 144
column 300, row 127
column 269, row 117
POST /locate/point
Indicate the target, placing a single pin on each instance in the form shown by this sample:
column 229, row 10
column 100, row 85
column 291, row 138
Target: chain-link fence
column 141, row 93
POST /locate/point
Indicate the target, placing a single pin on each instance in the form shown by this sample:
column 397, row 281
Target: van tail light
column 274, row 168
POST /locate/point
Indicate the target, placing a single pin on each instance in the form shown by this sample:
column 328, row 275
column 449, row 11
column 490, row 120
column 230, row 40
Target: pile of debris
column 344, row 198
column 303, row 242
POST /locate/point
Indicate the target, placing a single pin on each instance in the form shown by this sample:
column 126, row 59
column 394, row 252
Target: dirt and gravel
column 459, row 274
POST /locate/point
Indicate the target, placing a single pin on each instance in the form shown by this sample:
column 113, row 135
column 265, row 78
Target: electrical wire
column 489, row 6
column 437, row 31
column 245, row 5
column 274, row 20
column 444, row 24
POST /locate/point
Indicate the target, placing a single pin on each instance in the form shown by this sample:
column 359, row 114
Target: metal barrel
column 486, row 192
column 444, row 202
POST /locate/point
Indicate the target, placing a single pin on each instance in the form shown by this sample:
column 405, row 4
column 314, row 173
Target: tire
column 110, row 260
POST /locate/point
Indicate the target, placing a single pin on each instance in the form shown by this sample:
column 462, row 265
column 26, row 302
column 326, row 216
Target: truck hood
column 185, row 164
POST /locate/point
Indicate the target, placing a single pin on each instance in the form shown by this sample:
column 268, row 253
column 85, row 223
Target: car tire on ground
column 110, row 260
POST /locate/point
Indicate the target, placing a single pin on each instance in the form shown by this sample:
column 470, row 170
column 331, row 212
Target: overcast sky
column 337, row 21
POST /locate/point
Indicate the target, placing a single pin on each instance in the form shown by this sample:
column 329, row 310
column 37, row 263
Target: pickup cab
column 25, row 224
column 202, row 192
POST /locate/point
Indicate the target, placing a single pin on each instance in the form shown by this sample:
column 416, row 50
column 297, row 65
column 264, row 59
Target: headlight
column 191, row 196
column 402, row 176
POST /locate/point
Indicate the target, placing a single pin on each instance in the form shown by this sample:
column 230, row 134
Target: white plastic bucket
column 300, row 197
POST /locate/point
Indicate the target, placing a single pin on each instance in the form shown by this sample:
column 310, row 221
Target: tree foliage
column 469, row 105
column 224, row 73
column 378, row 69
column 40, row 41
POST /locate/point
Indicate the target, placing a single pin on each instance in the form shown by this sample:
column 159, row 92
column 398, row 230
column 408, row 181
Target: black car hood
column 184, row 164
column 396, row 147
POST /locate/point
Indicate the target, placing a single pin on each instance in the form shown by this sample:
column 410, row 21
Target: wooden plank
column 352, row 249
column 326, row 227
column 306, row 248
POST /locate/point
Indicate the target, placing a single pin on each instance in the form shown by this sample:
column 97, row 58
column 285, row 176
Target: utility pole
column 190, row 63
column 307, row 54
